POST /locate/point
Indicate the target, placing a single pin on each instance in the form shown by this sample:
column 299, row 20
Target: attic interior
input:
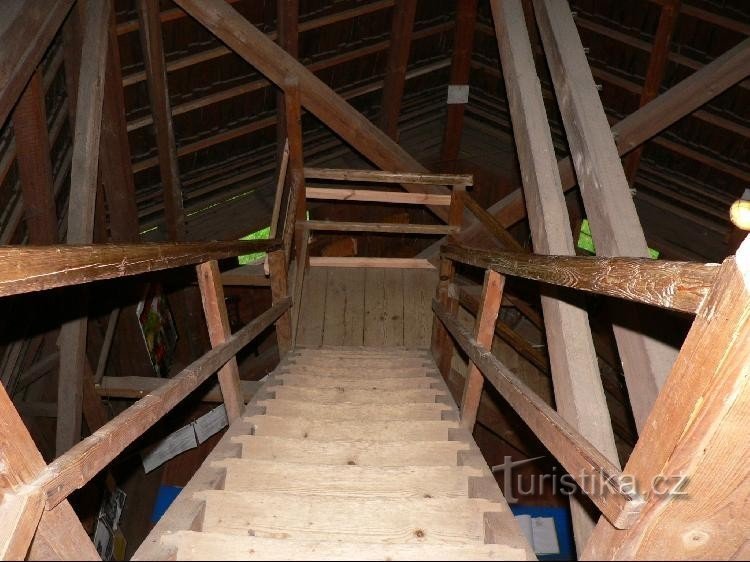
column 378, row 279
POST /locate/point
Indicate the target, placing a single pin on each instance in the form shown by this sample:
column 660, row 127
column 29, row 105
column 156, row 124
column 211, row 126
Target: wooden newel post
column 442, row 345
column 484, row 332
column 456, row 211
column 279, row 291
column 215, row 309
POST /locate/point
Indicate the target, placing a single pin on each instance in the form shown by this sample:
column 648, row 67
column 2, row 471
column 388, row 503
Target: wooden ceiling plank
column 657, row 65
column 402, row 25
column 463, row 44
column 579, row 394
column 250, row 43
column 609, row 204
column 81, row 210
column 153, row 52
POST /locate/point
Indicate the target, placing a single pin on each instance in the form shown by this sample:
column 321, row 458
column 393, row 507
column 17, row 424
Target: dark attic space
column 374, row 279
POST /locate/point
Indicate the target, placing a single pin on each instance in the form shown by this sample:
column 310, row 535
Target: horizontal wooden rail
column 389, row 228
column 81, row 463
column 370, row 195
column 598, row 477
column 378, row 176
column 667, row 284
column 37, row 268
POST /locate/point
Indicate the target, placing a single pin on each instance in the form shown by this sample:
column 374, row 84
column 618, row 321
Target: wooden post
column 402, row 23
column 296, row 204
column 153, row 53
column 609, row 204
column 287, row 35
column 81, row 210
column 463, row 44
column 579, row 395
column 456, row 210
column 302, row 235
column 215, row 309
column 442, row 344
column 692, row 455
column 60, row 534
column 279, row 291
column 484, row 332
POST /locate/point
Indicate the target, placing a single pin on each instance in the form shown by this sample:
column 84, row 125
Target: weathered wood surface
column 135, row 387
column 666, row 284
column 37, row 268
column 396, row 228
column 576, row 454
column 72, row 470
column 695, row 440
column 388, row 177
column 393, row 197
column 279, row 291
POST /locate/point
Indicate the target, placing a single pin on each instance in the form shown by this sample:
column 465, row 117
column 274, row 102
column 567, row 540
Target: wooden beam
column 217, row 320
column 393, row 197
column 60, row 534
column 27, row 268
column 377, row 176
column 695, row 440
column 26, row 30
column 484, row 332
column 81, row 211
column 579, row 395
column 20, row 513
column 153, row 53
column 657, row 64
column 576, row 454
column 402, row 24
column 334, row 226
column 133, row 387
column 635, row 129
column 609, row 204
column 667, row 284
column 463, row 44
column 287, row 35
column 34, row 163
column 75, row 468
column 257, row 49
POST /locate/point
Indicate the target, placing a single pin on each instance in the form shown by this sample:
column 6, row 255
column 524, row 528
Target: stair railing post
column 279, row 291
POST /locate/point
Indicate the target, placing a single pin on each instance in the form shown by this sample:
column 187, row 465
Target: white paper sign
column 458, row 94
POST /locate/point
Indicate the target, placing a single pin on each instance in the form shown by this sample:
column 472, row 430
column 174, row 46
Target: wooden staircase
column 345, row 453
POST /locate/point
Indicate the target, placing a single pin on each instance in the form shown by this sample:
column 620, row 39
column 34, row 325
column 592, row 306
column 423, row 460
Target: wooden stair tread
column 361, row 453
column 347, row 480
column 192, row 545
column 284, row 515
column 374, row 383
column 356, row 396
column 354, row 412
column 356, row 372
column 338, row 361
column 321, row 430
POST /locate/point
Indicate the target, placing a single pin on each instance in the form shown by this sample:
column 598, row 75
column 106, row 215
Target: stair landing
column 344, row 454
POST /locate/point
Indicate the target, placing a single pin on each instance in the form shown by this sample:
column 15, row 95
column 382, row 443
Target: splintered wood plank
column 192, row 545
column 312, row 313
column 353, row 412
column 360, row 453
column 394, row 307
column 354, row 396
column 419, row 288
column 346, row 383
column 293, row 516
column 358, row 371
column 320, row 430
column 374, row 330
column 348, row 480
column 345, row 307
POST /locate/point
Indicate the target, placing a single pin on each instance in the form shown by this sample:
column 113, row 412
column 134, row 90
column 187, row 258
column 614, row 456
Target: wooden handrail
column 396, row 228
column 37, row 268
column 81, row 463
column 607, row 488
column 667, row 284
column 378, row 176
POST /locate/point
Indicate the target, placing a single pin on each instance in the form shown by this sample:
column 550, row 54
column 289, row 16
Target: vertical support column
column 287, row 34
column 484, row 332
column 302, row 234
column 296, row 207
column 402, row 24
column 463, row 43
column 215, row 309
column 456, row 210
column 156, row 73
column 442, row 343
column 279, row 291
